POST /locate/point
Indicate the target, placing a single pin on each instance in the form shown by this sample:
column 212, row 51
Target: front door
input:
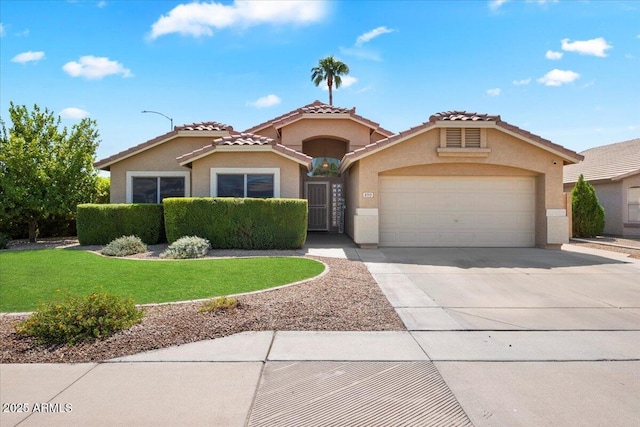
column 317, row 194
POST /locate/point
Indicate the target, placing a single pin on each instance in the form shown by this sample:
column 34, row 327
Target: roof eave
column 188, row 159
column 105, row 164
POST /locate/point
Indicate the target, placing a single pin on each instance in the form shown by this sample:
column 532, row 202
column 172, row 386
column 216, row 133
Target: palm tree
column 329, row 69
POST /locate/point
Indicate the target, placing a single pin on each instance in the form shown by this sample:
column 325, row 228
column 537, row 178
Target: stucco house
column 614, row 172
column 459, row 179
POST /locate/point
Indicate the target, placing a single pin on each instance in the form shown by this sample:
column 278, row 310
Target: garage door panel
column 457, row 211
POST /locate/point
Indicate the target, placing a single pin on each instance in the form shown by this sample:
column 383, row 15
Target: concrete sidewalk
column 495, row 337
column 253, row 378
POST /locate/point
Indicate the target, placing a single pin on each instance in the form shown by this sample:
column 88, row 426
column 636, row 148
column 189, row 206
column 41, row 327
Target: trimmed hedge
column 100, row 224
column 235, row 223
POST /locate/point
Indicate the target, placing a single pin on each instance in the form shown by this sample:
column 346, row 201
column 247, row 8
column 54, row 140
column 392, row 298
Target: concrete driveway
column 524, row 336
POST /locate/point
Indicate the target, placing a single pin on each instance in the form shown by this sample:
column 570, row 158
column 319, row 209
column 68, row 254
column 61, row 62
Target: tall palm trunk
column 330, row 84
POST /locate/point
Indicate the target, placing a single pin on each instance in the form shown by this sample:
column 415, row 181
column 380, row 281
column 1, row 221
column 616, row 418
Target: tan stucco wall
column 610, row 197
column 509, row 155
column 351, row 187
column 159, row 158
column 630, row 229
column 289, row 170
column 296, row 132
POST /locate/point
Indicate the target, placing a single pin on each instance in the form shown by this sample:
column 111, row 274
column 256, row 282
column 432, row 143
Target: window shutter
column 454, row 138
column 472, row 138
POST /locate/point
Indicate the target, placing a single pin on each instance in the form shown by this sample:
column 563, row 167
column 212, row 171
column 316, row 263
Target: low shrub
column 80, row 318
column 100, row 224
column 124, row 246
column 218, row 304
column 235, row 223
column 187, row 247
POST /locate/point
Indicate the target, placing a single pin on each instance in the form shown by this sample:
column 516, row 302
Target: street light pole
column 156, row 112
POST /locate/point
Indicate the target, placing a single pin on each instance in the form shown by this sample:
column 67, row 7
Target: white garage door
column 457, row 211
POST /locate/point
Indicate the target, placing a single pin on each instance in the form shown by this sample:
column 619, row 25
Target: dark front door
column 317, row 194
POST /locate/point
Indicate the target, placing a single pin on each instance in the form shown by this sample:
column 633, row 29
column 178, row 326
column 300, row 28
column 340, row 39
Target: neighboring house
column 460, row 179
column 614, row 172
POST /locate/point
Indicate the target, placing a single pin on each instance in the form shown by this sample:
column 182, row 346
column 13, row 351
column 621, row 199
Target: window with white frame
column 633, row 203
column 153, row 187
column 249, row 182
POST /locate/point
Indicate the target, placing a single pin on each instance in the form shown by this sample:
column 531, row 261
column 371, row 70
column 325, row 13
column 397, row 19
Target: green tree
column 103, row 186
column 331, row 70
column 45, row 171
column 588, row 214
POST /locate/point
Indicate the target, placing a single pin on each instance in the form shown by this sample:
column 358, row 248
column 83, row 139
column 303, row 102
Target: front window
column 633, row 202
column 149, row 189
column 154, row 186
column 245, row 185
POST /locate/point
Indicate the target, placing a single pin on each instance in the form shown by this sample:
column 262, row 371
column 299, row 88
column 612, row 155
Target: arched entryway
column 323, row 185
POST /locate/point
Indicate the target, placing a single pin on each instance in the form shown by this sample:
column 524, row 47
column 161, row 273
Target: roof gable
column 319, row 110
column 245, row 142
column 194, row 129
column 464, row 119
column 607, row 162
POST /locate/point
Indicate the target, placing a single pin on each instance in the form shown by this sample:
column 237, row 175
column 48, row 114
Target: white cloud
column 23, row 33
column 73, row 113
column 558, row 77
column 101, row 4
column 28, row 57
column 199, row 19
column 496, row 4
column 265, row 101
column 595, row 47
column 522, row 82
column 368, row 36
column 553, row 55
column 494, row 92
column 93, row 67
column 1, row 30
column 346, row 82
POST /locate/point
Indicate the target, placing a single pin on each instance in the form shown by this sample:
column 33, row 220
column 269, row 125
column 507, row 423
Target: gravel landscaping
column 345, row 299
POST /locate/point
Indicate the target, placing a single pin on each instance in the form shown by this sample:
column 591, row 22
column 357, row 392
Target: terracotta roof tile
column 463, row 116
column 320, row 108
column 244, row 139
column 205, row 126
column 202, row 126
column 457, row 116
column 606, row 162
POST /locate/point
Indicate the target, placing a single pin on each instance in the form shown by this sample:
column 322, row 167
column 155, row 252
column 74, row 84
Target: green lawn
column 28, row 278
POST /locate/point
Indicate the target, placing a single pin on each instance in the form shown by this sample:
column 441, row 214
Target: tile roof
column 607, row 162
column 200, row 127
column 319, row 108
column 205, row 126
column 463, row 116
column 244, row 139
column 457, row 116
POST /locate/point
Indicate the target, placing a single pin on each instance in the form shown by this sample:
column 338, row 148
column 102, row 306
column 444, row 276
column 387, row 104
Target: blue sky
column 568, row 71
